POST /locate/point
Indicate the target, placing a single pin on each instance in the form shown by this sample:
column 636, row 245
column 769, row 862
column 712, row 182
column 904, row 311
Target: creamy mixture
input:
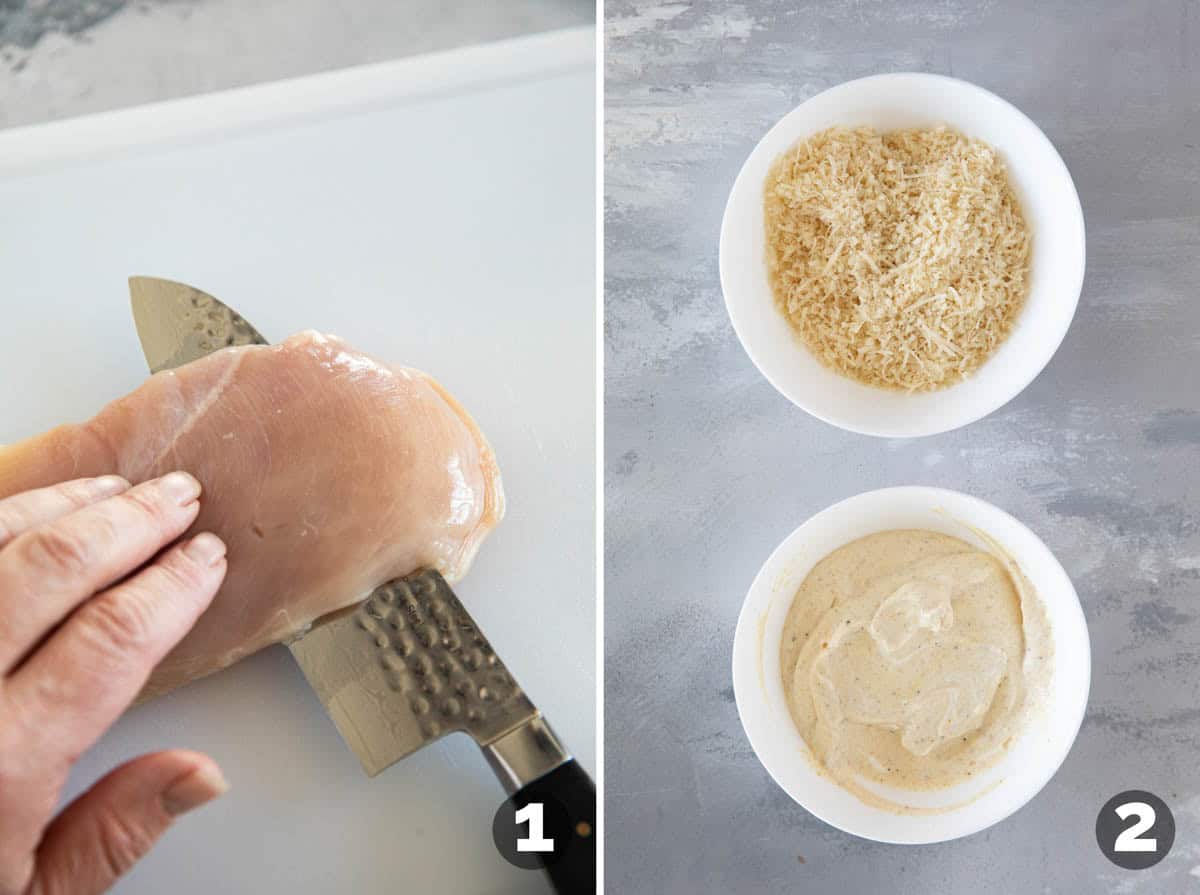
column 912, row 659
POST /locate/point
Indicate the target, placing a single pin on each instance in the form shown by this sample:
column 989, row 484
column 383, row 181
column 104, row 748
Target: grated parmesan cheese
column 900, row 259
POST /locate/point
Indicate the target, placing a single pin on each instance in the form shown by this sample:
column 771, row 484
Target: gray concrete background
column 708, row 468
column 60, row 58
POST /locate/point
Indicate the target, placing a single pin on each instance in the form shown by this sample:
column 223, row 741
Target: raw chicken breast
column 326, row 472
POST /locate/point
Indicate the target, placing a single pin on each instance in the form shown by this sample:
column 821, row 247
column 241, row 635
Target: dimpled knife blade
column 177, row 323
column 406, row 667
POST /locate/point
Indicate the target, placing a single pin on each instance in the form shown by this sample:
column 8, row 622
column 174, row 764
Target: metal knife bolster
column 409, row 665
column 525, row 754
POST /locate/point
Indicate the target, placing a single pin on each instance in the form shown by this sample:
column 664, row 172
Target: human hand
column 79, row 635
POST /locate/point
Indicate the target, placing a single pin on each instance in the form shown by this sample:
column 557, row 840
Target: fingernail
column 194, row 789
column 108, row 485
column 180, row 487
column 205, row 548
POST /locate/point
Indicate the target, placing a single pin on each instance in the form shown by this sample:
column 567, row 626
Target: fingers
column 93, row 666
column 68, row 680
column 47, row 571
column 22, row 512
column 104, row 832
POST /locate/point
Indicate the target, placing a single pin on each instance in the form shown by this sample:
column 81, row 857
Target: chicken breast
column 326, row 472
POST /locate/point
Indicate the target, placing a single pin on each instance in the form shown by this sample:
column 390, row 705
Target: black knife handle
column 574, row 873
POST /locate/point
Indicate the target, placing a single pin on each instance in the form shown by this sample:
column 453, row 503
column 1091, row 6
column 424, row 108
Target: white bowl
column 1028, row 764
column 1052, row 211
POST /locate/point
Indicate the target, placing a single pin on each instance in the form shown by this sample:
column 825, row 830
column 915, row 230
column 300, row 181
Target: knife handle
column 574, row 873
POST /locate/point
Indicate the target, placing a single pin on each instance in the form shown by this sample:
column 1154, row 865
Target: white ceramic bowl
column 758, row 687
column 1052, row 212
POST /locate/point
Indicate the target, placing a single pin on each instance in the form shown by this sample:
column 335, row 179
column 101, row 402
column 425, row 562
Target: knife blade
column 177, row 323
column 407, row 665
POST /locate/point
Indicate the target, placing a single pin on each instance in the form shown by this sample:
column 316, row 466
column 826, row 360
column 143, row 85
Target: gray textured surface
column 60, row 58
column 708, row 468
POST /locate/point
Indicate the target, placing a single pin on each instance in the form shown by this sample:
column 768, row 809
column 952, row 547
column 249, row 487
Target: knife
column 408, row 665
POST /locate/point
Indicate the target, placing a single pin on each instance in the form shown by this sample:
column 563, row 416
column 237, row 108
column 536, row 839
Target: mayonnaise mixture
column 912, row 659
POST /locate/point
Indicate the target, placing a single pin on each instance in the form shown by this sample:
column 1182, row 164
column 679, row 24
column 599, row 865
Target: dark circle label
column 533, row 834
column 1135, row 829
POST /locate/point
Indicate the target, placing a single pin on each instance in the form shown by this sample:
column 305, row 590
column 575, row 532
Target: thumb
column 105, row 831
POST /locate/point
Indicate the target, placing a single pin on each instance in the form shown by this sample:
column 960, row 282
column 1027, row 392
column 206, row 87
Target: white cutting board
column 437, row 212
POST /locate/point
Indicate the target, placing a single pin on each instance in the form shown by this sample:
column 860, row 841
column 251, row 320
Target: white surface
column 449, row 226
column 1052, row 212
column 758, row 687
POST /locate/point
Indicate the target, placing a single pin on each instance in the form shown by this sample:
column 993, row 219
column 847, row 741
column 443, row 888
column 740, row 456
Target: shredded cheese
column 900, row 259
